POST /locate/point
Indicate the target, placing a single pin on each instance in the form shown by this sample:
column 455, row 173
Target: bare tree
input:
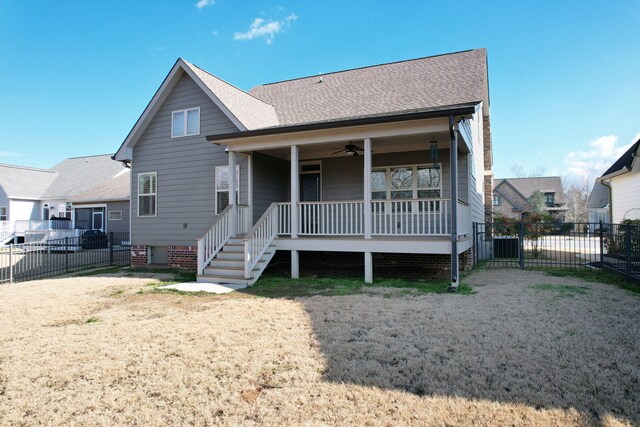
column 577, row 197
column 518, row 171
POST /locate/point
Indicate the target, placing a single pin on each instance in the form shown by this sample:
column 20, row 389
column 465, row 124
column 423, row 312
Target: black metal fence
column 563, row 245
column 37, row 260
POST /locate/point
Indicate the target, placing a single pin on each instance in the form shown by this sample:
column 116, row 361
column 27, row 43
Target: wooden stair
column 228, row 265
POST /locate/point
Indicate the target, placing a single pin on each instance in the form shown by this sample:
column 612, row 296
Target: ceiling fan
column 350, row 149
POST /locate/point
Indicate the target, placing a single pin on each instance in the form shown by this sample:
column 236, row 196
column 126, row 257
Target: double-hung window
column 497, row 201
column 185, row 122
column 222, row 187
column 3, row 213
column 147, row 193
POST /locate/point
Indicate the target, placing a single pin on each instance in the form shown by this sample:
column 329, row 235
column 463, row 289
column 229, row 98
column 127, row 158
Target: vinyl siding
column 476, row 183
column 24, row 210
column 4, row 201
column 121, row 226
column 270, row 182
column 624, row 194
column 185, row 169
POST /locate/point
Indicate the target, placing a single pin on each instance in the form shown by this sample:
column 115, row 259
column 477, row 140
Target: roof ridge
column 226, row 82
column 7, row 165
column 84, row 157
column 370, row 66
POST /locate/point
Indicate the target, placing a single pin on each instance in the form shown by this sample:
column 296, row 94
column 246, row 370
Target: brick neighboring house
column 511, row 196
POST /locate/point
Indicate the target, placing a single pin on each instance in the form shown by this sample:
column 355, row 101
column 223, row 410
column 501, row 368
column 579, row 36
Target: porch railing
column 6, row 230
column 421, row 217
column 219, row 232
column 412, row 217
column 20, row 226
column 258, row 239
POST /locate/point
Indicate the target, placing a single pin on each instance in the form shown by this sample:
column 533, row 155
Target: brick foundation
column 139, row 255
column 185, row 257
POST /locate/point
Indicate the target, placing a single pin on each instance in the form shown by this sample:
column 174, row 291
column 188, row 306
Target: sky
column 563, row 75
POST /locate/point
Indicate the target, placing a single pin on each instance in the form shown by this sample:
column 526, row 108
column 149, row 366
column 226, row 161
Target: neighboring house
column 353, row 162
column 623, row 180
column 511, row 196
column 30, row 198
column 105, row 205
column 598, row 205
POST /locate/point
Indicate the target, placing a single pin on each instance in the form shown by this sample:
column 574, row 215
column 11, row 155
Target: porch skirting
column 185, row 257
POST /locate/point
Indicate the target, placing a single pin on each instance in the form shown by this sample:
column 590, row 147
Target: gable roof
column 546, row 184
column 77, row 174
column 21, row 182
column 625, row 162
column 387, row 89
column 599, row 196
column 117, row 188
column 430, row 84
column 522, row 204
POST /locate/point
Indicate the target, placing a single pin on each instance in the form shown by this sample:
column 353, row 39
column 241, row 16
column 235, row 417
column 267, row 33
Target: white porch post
column 249, row 192
column 367, row 192
column 295, row 191
column 453, row 158
column 233, row 223
column 368, row 267
column 295, row 196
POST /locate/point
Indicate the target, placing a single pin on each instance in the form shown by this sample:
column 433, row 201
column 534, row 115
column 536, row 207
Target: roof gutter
column 467, row 109
column 614, row 174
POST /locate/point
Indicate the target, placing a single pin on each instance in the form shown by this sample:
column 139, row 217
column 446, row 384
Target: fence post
column 66, row 254
column 601, row 245
column 110, row 243
column 521, row 244
column 11, row 263
column 475, row 243
column 627, row 248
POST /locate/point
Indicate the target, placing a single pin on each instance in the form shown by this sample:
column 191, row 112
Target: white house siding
column 185, row 168
column 625, row 194
column 24, row 210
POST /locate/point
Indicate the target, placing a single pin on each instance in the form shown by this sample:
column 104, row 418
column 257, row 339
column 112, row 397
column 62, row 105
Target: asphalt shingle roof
column 25, row 182
column 78, row 174
column 625, row 160
column 413, row 85
column 546, row 184
column 117, row 188
column 599, row 196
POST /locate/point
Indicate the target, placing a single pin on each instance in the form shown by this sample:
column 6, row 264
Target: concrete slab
column 213, row 288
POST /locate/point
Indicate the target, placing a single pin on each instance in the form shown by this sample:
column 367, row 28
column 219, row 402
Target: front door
column 310, row 191
column 98, row 219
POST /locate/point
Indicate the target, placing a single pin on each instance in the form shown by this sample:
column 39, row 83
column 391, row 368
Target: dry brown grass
column 510, row 354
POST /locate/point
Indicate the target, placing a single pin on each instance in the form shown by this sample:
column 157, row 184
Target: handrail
column 219, row 232
column 258, row 239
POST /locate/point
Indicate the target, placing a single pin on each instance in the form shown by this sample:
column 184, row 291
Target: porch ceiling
column 382, row 145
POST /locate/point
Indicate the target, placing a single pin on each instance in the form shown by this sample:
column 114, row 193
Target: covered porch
column 398, row 188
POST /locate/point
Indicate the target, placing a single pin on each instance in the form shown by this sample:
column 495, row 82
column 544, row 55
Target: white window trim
column 118, row 211
column 215, row 186
column 6, row 212
column 155, row 213
column 414, row 179
column 186, row 130
column 319, row 171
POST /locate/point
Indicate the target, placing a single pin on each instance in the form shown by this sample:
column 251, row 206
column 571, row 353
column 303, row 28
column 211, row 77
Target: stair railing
column 258, row 239
column 214, row 239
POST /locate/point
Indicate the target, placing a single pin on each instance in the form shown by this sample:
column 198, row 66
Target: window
column 3, row 213
column 185, row 122
column 549, row 199
column 406, row 182
column 45, row 211
column 115, row 215
column 147, row 188
column 222, row 187
column 497, row 200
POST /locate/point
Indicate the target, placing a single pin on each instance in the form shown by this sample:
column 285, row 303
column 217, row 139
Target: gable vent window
column 185, row 122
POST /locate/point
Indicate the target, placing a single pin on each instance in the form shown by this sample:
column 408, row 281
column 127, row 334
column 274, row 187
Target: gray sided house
column 512, row 196
column 387, row 163
column 598, row 205
column 40, row 200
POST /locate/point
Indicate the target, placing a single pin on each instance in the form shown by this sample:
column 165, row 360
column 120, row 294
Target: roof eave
column 456, row 111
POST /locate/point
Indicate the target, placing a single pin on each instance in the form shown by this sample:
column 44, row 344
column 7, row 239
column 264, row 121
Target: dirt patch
column 513, row 353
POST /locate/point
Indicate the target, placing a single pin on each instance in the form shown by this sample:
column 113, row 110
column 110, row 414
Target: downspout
column 453, row 156
column 608, row 185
